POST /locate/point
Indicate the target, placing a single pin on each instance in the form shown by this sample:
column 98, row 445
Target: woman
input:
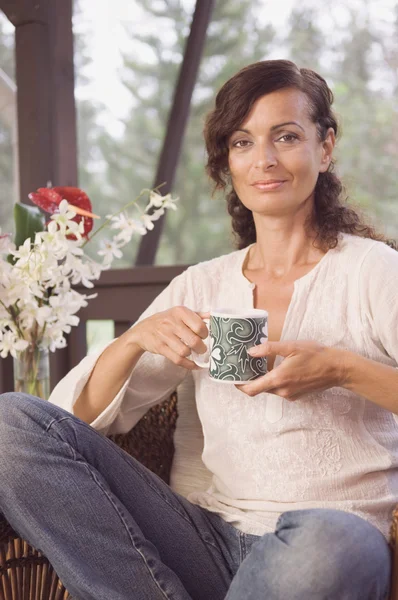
column 303, row 459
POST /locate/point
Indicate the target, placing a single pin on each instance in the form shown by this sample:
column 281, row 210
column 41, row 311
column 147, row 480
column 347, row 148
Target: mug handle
column 197, row 357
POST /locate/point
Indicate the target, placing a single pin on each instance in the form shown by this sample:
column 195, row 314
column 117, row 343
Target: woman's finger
column 176, row 358
column 204, row 315
column 190, row 338
column 193, row 321
column 174, row 342
column 279, row 348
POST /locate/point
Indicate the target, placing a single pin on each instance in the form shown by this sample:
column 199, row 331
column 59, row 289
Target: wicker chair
column 26, row 574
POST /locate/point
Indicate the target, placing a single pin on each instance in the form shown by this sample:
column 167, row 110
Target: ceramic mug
column 231, row 334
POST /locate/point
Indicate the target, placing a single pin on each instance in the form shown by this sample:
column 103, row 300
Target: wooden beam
column 63, row 107
column 177, row 121
column 20, row 12
column 33, row 75
column 45, row 95
column 46, row 110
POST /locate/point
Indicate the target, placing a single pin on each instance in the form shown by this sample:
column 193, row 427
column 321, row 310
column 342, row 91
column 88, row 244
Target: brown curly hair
column 331, row 214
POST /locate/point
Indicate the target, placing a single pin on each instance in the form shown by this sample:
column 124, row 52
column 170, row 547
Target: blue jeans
column 115, row 531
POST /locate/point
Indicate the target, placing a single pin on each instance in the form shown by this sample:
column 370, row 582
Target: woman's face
column 275, row 156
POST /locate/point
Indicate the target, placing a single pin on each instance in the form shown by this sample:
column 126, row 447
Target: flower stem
column 144, row 191
column 31, row 372
column 14, row 318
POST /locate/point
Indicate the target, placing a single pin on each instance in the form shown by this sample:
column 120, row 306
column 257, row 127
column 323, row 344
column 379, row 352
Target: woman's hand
column 308, row 367
column 172, row 333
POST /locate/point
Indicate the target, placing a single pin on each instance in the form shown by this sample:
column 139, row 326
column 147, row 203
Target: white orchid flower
column 169, row 202
column 127, row 227
column 63, row 218
column 10, row 344
column 38, row 304
column 157, row 214
column 109, row 251
column 155, row 200
column 147, row 222
column 23, row 252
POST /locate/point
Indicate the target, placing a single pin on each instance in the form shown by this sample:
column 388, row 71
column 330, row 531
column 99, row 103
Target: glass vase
column 32, row 372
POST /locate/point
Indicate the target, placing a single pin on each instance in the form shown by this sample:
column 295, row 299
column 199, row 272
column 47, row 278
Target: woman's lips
column 267, row 186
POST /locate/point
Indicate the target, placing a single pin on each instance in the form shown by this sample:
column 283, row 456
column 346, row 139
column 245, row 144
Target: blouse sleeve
column 379, row 294
column 152, row 380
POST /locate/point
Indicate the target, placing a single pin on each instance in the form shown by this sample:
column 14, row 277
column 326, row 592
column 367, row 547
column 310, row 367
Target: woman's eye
column 287, row 137
column 240, row 143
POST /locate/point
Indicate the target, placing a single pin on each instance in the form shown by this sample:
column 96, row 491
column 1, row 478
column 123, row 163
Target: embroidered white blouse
column 331, row 449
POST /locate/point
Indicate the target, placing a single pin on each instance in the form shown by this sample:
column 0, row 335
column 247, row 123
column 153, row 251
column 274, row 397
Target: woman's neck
column 280, row 252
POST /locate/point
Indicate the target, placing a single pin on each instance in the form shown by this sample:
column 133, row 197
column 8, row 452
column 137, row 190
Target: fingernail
column 253, row 350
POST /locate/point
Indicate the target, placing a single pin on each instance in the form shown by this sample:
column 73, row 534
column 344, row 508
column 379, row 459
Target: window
column 98, row 333
column 8, row 127
column 124, row 94
column 124, row 89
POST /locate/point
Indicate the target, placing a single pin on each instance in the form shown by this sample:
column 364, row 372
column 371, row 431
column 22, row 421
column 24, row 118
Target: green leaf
column 28, row 221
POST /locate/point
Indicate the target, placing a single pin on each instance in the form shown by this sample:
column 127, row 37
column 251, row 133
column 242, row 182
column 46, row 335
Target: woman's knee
column 24, row 436
column 318, row 554
column 16, row 405
column 341, row 554
column 20, row 415
column 11, row 408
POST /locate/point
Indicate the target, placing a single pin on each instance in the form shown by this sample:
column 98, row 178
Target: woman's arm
column 370, row 379
column 114, row 388
column 310, row 367
column 378, row 292
column 107, row 378
column 160, row 334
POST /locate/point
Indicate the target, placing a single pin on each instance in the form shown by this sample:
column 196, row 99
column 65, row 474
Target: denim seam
column 242, row 547
column 51, row 423
column 148, row 481
column 71, row 448
column 98, row 482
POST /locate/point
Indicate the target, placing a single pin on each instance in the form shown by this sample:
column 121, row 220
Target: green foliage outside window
column 355, row 56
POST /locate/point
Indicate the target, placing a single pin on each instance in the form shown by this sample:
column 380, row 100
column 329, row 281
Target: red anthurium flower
column 49, row 199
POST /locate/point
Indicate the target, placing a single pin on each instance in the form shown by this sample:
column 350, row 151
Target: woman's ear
column 327, row 150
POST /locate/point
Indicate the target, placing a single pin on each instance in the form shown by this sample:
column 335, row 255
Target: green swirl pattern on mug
column 230, row 339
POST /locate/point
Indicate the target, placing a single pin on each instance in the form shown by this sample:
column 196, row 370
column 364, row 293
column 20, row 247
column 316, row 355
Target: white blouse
column 267, row 455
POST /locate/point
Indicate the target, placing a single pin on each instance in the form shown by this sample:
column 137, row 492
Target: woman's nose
column 265, row 157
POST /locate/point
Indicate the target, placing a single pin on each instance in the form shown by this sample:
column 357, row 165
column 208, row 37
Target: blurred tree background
column 200, row 228
column 7, row 171
column 353, row 44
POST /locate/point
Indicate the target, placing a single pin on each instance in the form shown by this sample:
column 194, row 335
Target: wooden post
column 177, row 121
column 62, row 102
column 35, row 140
column 45, row 92
column 45, row 106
